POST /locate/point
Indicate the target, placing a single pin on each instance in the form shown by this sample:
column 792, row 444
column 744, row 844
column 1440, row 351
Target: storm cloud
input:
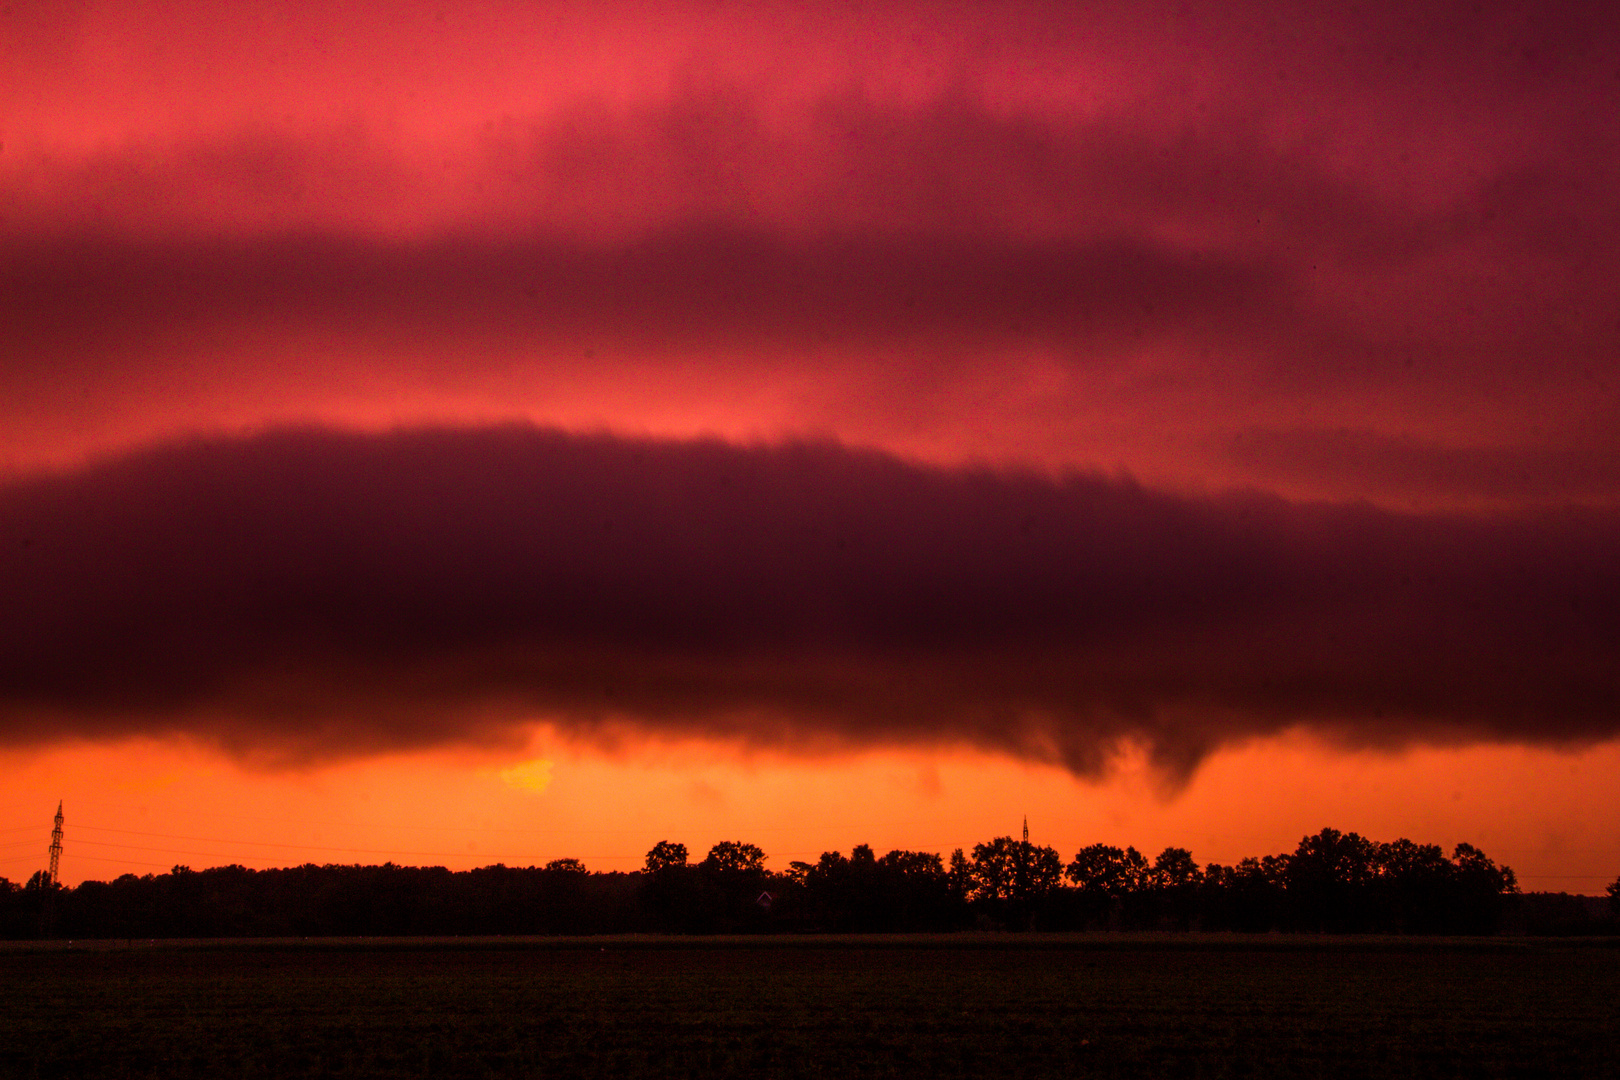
column 1360, row 264
column 306, row 593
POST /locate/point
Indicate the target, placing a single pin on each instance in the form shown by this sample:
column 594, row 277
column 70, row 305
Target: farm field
column 1104, row 1005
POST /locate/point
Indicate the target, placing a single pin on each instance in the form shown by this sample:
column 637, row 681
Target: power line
column 345, row 850
column 1544, row 876
column 257, row 843
column 125, row 862
column 175, row 851
column 571, row 831
column 457, row 855
column 314, row 847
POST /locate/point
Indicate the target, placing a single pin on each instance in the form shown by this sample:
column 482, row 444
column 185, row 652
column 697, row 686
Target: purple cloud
column 309, row 592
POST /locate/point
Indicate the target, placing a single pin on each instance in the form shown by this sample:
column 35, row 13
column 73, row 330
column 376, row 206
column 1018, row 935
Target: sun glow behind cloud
column 532, row 776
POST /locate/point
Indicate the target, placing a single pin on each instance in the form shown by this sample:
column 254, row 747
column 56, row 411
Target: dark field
column 1184, row 1006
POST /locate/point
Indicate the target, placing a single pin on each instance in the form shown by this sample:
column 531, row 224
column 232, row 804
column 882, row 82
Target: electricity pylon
column 47, row 902
column 56, row 844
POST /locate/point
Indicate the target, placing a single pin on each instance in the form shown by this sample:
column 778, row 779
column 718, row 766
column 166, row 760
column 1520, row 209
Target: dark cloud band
column 309, row 592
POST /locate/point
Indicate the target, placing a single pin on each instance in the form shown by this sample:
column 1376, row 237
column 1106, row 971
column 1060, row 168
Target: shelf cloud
column 307, row 593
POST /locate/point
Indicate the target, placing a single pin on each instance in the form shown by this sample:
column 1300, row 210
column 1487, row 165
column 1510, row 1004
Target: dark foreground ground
column 1183, row 1006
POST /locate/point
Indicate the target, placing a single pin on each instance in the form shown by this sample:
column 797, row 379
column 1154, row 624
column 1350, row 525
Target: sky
column 511, row 431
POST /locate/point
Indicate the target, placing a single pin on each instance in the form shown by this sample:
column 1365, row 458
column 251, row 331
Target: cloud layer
column 307, row 593
column 1199, row 241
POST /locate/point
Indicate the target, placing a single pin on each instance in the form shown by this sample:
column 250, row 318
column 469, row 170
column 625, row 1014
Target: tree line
column 1332, row 882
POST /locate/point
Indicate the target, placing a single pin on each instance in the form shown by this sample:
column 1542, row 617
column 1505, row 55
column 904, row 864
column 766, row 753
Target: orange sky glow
column 142, row 808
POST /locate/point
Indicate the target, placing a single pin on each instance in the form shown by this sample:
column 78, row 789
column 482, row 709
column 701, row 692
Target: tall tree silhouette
column 1110, row 882
column 664, row 855
column 672, row 892
column 1013, row 879
column 1330, row 879
column 1175, row 880
column 733, row 875
column 1414, row 893
column 1480, row 890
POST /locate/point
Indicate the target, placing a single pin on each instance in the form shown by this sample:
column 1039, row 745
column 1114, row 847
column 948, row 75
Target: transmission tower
column 1026, row 827
column 56, row 844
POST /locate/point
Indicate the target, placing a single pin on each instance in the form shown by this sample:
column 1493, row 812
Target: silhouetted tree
column 1096, row 873
column 1013, row 880
column 733, row 875
column 916, row 893
column 1414, row 888
column 672, row 894
column 664, row 855
column 1111, row 884
column 1332, row 881
column 1480, row 886
column 839, row 892
column 1613, row 889
column 1330, row 878
column 904, row 890
column 1175, row 880
column 1215, row 897
column 1249, row 896
column 731, row 858
column 1558, row 914
column 960, row 877
column 566, row 866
